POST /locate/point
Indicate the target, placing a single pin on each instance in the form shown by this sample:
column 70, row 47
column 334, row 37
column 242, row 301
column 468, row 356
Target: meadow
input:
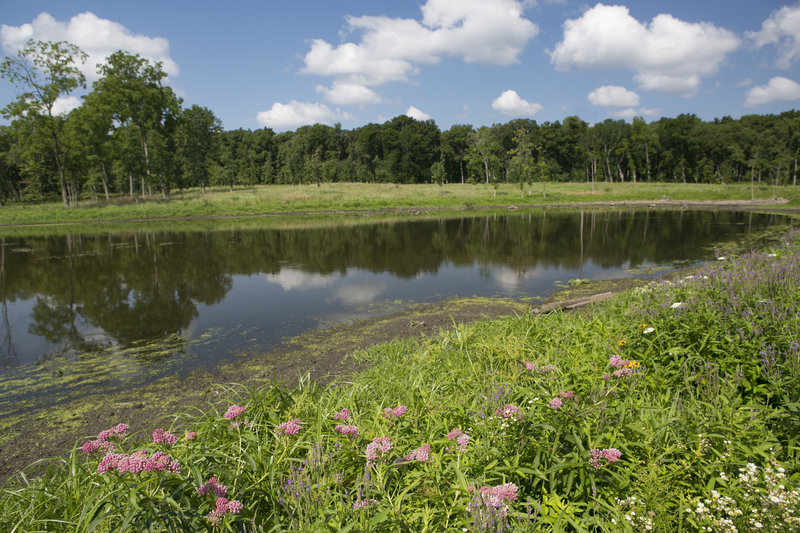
column 339, row 197
column 670, row 407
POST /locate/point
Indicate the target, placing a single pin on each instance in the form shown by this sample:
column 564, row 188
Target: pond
column 114, row 309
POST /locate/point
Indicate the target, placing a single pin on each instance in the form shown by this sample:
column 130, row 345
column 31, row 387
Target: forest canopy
column 131, row 136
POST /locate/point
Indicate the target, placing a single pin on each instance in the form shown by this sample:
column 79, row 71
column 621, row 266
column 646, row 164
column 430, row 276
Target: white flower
column 676, row 305
column 648, row 330
column 721, row 258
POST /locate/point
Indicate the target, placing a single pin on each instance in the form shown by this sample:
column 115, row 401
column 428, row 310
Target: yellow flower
column 623, row 342
column 642, row 326
column 633, row 364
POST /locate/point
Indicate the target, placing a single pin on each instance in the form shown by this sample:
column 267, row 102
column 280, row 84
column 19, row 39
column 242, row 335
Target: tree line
column 131, row 136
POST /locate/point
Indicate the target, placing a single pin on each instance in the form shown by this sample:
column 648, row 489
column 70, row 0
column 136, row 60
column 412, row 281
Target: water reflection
column 64, row 296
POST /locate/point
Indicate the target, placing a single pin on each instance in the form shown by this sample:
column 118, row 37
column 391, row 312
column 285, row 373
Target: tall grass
column 281, row 199
column 673, row 407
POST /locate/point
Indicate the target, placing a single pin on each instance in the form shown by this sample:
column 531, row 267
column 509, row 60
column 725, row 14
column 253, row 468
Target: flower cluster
column 378, row 447
column 488, row 508
column 292, row 427
column 461, row 438
column 102, row 442
column 138, row 461
column 347, row 430
column 508, row 410
column 212, row 486
column 161, row 436
column 343, row 415
column 363, row 503
column 234, row 411
column 396, row 412
column 599, row 458
column 556, row 403
column 190, row 435
column 421, row 454
column 223, row 506
column 625, row 367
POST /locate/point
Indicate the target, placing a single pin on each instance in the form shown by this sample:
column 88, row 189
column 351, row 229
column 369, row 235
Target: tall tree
column 197, row 129
column 45, row 72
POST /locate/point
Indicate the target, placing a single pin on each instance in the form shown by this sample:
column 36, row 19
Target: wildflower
column 378, row 447
column 623, row 342
column 632, row 364
column 616, row 361
column 347, row 430
column 212, row 486
column 109, row 462
column 363, row 503
column 234, row 411
column 509, row 410
column 546, row 369
column 92, row 446
column 454, row 434
column 344, row 414
column 396, row 412
column 117, row 431
column 599, row 458
column 677, row 305
column 292, row 427
column 421, row 454
column 166, row 437
column 161, row 462
column 568, row 395
column 462, row 441
column 555, row 403
column 190, row 435
column 223, row 506
column 647, row 331
column 529, row 366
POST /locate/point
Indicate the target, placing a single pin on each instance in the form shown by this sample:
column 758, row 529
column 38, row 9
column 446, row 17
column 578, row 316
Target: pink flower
column 454, row 434
column 396, row 412
column 616, row 361
column 344, row 414
column 212, row 486
column 190, row 435
column 98, row 445
column 234, row 411
column 361, row 504
column 166, row 437
column 509, row 410
column 529, row 366
column 546, row 369
column 213, row 518
column 378, row 446
column 292, row 427
column 161, row 462
column 623, row 372
column 555, row 403
column 347, row 430
column 462, row 441
column 599, row 458
column 421, row 454
column 228, row 506
column 568, row 395
column 117, row 431
column 109, row 462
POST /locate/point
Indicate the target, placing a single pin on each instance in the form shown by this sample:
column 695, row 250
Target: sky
column 284, row 64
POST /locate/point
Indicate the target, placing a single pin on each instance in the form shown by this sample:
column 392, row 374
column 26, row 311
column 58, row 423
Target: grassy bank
column 671, row 407
column 282, row 199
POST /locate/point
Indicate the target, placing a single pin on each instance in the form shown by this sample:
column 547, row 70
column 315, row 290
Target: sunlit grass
column 327, row 197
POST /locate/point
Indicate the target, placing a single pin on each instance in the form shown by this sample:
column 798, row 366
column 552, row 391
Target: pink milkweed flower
column 454, row 434
column 292, row 427
column 529, row 366
column 555, row 403
column 378, row 447
column 347, row 430
column 212, row 486
column 363, row 503
column 344, row 414
column 395, row 412
column 190, row 435
column 509, row 410
column 546, row 369
column 421, row 454
column 462, row 441
column 166, row 437
column 161, row 462
column 616, row 361
column 568, row 395
column 117, row 431
column 96, row 445
column 234, row 411
column 599, row 458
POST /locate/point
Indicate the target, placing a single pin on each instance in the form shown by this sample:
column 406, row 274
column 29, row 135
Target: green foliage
column 691, row 384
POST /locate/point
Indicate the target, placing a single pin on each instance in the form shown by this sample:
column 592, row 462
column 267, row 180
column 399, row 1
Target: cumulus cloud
column 416, row 114
column 778, row 88
column 668, row 54
column 509, row 103
column 613, row 96
column 65, row 104
column 349, row 94
column 631, row 112
column 295, row 114
column 782, row 28
column 98, row 37
column 391, row 49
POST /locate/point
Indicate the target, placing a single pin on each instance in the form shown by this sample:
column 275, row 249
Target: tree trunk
column 647, row 160
column 105, row 181
column 61, row 179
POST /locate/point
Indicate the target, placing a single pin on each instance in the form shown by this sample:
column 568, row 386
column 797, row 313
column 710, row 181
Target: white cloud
column 667, row 54
column 349, row 94
column 65, row 104
column 391, row 48
column 782, row 28
column 416, row 114
column 295, row 279
column 509, row 103
column 778, row 88
column 632, row 112
column 747, row 82
column 613, row 96
column 98, row 37
column 296, row 114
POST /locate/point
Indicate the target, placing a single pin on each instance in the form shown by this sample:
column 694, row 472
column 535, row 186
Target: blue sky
column 479, row 62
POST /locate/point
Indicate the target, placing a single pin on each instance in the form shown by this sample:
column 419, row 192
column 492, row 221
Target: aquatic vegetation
column 527, row 423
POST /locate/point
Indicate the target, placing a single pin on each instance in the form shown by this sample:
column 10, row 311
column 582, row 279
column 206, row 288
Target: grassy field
column 284, row 199
column 672, row 407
